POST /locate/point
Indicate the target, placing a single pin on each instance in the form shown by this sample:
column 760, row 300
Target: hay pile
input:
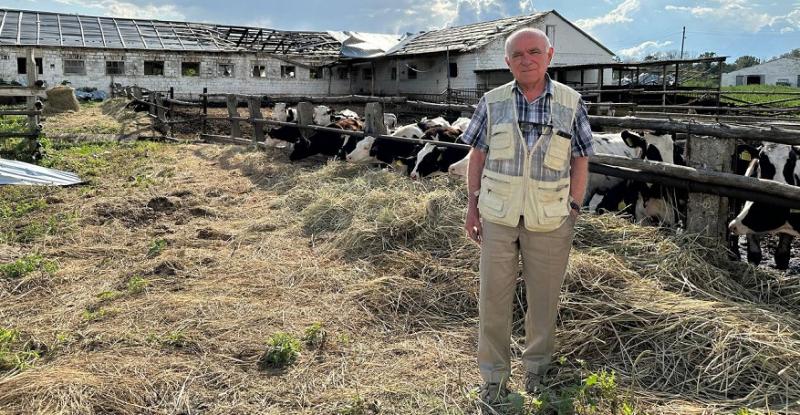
column 670, row 316
column 61, row 99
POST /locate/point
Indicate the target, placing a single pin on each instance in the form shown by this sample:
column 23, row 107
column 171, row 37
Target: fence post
column 161, row 125
column 305, row 116
column 171, row 111
column 373, row 119
column 205, row 109
column 33, row 120
column 708, row 214
column 254, row 105
column 233, row 102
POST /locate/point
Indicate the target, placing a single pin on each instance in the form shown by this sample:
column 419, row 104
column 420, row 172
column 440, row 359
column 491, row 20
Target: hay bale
column 61, row 99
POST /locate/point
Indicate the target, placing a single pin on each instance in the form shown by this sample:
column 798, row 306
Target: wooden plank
column 686, row 173
column 254, row 106
column 20, row 112
column 19, row 28
column 141, row 35
column 38, row 28
column 158, row 35
column 21, row 91
column 3, row 22
column 747, row 133
column 233, row 102
column 60, row 31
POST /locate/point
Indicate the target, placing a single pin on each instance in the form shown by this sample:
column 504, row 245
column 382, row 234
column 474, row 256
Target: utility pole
column 683, row 38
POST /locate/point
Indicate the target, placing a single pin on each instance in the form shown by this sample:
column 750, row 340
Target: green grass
column 741, row 92
column 137, row 284
column 96, row 160
column 15, row 354
column 283, row 349
column 37, row 229
column 156, row 247
column 28, row 265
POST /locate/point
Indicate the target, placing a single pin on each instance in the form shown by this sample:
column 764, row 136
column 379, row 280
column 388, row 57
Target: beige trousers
column 544, row 263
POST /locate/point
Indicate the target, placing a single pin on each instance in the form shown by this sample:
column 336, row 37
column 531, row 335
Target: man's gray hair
column 526, row 30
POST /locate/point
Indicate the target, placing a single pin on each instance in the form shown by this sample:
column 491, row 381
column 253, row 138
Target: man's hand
column 473, row 224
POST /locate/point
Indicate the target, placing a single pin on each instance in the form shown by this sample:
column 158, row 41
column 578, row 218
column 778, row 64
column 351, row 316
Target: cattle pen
column 710, row 147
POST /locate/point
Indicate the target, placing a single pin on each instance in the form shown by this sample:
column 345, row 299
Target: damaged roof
column 474, row 36
column 35, row 28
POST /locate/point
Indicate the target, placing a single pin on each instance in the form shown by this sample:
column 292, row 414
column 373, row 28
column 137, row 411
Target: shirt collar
column 548, row 86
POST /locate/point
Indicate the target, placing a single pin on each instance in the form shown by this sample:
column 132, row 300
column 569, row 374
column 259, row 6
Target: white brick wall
column 241, row 82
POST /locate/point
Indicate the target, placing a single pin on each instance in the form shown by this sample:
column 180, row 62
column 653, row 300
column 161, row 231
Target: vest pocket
column 494, row 203
column 558, row 152
column 501, row 142
column 495, row 193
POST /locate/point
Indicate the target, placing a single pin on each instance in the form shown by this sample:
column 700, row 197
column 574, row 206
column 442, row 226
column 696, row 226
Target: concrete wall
column 571, row 47
column 242, row 80
column 784, row 68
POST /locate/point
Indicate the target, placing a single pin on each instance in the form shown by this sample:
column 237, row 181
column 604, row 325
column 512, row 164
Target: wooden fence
column 710, row 146
column 32, row 108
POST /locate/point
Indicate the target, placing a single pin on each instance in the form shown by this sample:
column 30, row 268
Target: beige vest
column 521, row 181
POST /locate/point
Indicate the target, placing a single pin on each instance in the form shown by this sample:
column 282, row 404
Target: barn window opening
column 259, row 71
column 74, row 67
column 366, row 74
column 453, row 70
column 190, row 68
column 412, row 71
column 315, row 73
column 225, row 70
column 115, row 68
column 154, row 68
column 341, row 73
column 783, row 82
column 550, row 31
column 22, row 65
column 393, row 75
column 288, row 71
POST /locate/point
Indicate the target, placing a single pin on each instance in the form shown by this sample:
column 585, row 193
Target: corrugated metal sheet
column 18, row 172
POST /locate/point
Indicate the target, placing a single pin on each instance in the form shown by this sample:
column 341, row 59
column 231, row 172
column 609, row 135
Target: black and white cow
column 324, row 142
column 427, row 123
column 776, row 162
column 390, row 121
column 368, row 149
column 433, row 159
column 654, row 202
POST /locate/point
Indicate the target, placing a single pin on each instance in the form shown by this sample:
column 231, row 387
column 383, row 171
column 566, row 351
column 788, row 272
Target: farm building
column 92, row 51
column 781, row 71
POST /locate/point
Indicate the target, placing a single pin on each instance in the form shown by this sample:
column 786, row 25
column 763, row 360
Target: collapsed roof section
column 34, row 28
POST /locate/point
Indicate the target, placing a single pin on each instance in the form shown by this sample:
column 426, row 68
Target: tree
column 794, row 53
column 745, row 61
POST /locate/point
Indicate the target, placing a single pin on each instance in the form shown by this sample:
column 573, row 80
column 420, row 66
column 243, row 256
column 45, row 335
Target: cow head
column 427, row 162
column 652, row 146
column 447, row 134
column 361, row 152
column 460, row 168
column 323, row 115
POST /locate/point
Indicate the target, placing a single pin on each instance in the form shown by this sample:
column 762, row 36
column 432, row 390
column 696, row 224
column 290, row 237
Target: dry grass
column 253, row 245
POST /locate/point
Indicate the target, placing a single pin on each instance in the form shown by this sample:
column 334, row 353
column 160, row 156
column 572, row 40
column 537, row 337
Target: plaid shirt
column 537, row 113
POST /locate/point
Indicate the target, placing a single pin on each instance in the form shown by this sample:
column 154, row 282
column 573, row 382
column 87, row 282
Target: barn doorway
column 489, row 79
column 754, row 79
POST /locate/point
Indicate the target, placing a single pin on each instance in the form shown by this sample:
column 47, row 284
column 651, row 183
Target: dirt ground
column 155, row 287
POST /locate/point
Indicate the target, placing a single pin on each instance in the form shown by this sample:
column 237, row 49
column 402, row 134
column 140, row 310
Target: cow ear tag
column 398, row 163
column 745, row 156
column 621, row 205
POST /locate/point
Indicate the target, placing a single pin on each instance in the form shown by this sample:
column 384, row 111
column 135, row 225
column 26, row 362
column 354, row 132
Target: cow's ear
column 745, row 155
column 796, row 150
column 632, row 140
column 441, row 156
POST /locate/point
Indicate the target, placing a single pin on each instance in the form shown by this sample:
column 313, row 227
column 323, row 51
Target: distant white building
column 781, row 71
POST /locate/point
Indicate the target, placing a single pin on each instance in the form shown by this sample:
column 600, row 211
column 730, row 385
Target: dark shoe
column 493, row 395
column 534, row 383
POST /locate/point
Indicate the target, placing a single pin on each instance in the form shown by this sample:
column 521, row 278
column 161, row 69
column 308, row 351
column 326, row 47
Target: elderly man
column 532, row 140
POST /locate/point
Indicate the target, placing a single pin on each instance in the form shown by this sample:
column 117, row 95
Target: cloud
column 526, row 6
column 642, row 49
column 437, row 14
column 620, row 14
column 118, row 8
column 741, row 14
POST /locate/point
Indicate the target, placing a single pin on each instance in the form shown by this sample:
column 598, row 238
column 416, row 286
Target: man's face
column 528, row 58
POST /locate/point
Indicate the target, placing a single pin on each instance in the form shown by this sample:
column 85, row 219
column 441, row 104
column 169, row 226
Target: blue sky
column 630, row 28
